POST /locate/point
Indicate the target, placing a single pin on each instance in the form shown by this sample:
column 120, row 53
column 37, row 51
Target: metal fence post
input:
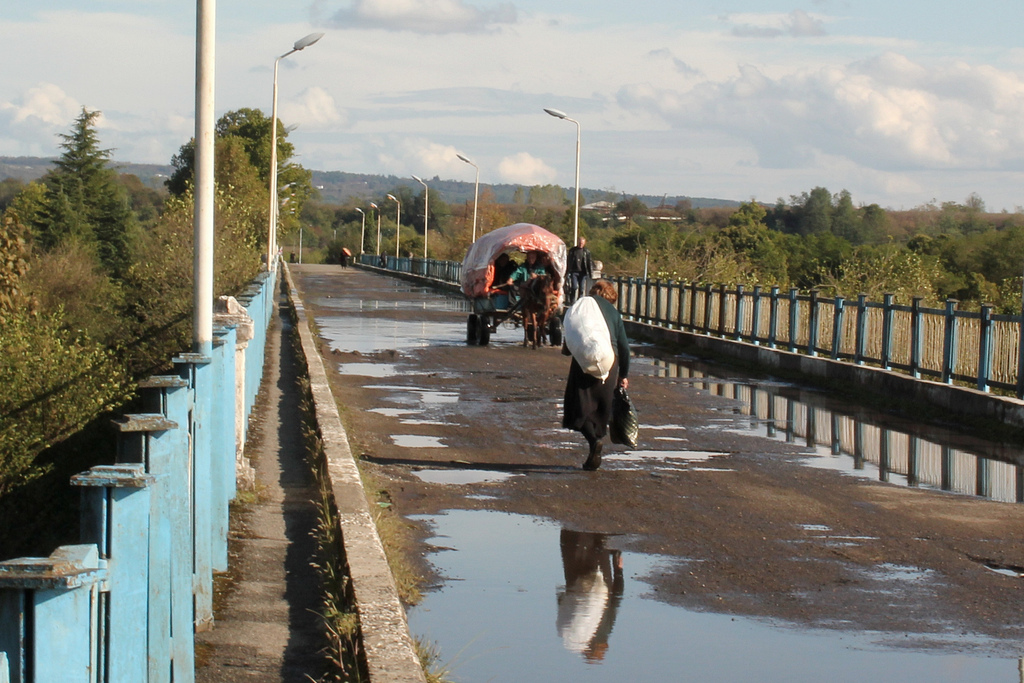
column 812, row 325
column 916, row 337
column 862, row 329
column 693, row 306
column 794, row 317
column 755, row 317
column 680, row 304
column 985, row 349
column 773, row 316
column 707, row 309
column 837, row 326
column 722, row 307
column 658, row 319
column 1020, row 352
column 949, row 342
column 887, row 332
column 739, row 313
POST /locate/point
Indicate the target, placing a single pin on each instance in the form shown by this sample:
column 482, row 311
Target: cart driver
column 534, row 265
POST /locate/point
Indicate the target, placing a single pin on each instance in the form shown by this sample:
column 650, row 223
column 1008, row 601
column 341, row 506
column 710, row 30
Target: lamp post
column 398, row 223
column 426, row 212
column 362, row 239
column 476, row 190
column 300, row 44
column 203, row 210
column 378, row 227
column 576, row 218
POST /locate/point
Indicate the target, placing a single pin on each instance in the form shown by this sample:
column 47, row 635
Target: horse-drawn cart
column 495, row 303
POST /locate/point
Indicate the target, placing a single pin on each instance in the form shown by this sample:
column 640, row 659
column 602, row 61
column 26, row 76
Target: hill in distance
column 338, row 187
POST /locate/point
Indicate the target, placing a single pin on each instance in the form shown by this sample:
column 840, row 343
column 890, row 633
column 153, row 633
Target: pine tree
column 84, row 201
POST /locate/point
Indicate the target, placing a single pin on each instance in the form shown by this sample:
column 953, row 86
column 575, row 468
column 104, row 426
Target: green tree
column 85, row 202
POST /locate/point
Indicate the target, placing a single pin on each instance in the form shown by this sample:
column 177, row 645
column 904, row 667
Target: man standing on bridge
column 579, row 268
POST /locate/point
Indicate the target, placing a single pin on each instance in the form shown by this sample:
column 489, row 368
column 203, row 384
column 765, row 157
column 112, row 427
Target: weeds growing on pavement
column 340, row 621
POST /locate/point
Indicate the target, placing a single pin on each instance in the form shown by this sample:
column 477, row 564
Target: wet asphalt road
column 755, row 531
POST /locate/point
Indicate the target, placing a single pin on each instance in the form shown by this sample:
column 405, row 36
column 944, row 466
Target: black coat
column 587, row 404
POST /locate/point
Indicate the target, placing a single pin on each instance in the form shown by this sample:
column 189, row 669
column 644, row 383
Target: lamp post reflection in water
column 588, row 603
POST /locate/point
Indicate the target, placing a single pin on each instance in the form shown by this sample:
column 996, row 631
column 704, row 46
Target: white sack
column 588, row 338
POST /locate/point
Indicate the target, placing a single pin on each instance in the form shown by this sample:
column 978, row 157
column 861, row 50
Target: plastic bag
column 625, row 426
column 588, row 338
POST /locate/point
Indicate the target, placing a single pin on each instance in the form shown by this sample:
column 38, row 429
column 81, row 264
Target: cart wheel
column 483, row 331
column 472, row 327
column 555, row 331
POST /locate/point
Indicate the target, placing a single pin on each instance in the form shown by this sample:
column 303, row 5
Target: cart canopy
column 478, row 266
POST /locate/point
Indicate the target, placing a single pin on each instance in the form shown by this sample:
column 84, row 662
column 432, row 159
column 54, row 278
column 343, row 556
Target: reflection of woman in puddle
column 593, row 590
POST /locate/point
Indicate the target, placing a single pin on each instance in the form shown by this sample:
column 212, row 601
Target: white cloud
column 524, row 169
column 796, row 24
column 888, row 113
column 313, row 108
column 423, row 16
column 45, row 103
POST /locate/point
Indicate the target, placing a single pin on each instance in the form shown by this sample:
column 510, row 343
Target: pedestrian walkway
column 266, row 625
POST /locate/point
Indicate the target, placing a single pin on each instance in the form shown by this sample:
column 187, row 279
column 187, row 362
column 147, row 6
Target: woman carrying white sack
column 597, row 341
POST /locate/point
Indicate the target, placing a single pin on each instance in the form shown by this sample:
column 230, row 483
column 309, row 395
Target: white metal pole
column 272, row 222
column 300, row 44
column 378, row 227
column 398, row 224
column 362, row 238
column 576, row 215
column 576, row 219
column 476, row 191
column 426, row 213
column 204, row 178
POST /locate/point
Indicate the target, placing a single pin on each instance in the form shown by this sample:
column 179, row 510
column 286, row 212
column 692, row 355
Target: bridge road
column 414, row 398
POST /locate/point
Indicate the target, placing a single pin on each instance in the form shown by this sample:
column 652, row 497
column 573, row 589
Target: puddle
column 394, row 412
column 425, row 395
column 367, row 334
column 525, row 600
column 368, row 369
column 646, row 458
column 463, row 477
column 1004, row 571
column 859, row 442
column 351, row 305
column 417, row 441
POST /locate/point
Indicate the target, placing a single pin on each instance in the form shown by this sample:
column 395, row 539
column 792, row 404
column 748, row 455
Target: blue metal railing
column 983, row 349
column 122, row 606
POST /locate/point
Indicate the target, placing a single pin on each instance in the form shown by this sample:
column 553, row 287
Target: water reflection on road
column 526, row 600
column 861, row 442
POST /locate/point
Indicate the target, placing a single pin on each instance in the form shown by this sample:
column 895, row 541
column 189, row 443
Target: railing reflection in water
column 778, row 411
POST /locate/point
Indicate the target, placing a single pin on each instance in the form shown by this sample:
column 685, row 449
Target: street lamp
column 576, row 219
column 398, row 223
column 378, row 227
column 476, row 190
column 300, row 44
column 426, row 212
column 362, row 239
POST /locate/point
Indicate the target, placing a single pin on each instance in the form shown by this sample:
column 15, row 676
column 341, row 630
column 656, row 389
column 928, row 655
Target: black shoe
column 594, row 460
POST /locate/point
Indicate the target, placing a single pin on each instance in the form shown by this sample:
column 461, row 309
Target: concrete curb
column 390, row 655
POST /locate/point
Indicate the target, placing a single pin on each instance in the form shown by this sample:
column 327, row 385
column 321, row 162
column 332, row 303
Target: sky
column 903, row 104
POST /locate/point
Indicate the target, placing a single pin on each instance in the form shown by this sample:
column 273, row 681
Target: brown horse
column 540, row 301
